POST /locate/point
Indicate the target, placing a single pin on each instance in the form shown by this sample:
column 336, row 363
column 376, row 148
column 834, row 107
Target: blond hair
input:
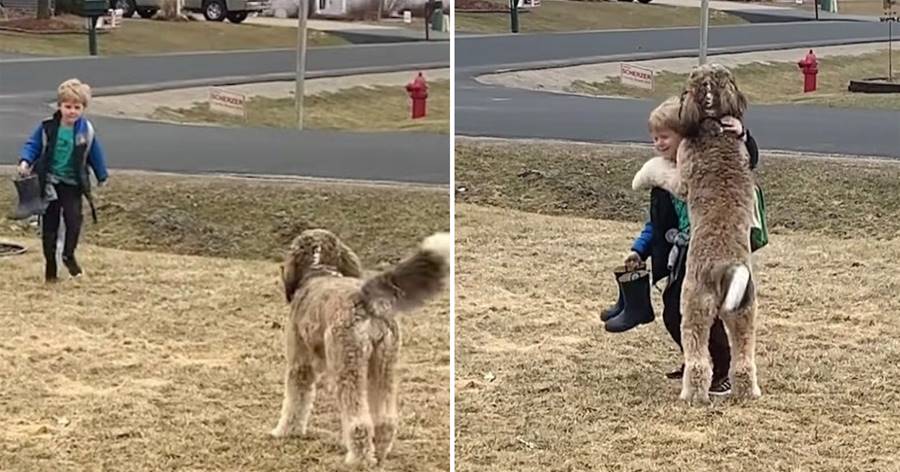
column 74, row 90
column 665, row 115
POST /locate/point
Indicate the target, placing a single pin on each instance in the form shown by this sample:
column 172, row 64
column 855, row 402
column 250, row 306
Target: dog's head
column 710, row 92
column 316, row 249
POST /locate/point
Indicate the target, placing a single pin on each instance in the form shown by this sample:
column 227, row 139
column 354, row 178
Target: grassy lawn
column 556, row 15
column 858, row 197
column 541, row 386
column 155, row 361
column 241, row 219
column 376, row 108
column 779, row 82
column 138, row 36
column 851, row 7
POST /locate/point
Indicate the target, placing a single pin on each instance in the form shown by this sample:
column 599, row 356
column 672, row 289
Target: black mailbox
column 92, row 8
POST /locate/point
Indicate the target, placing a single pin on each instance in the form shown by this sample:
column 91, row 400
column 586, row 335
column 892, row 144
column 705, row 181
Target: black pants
column 69, row 202
column 719, row 350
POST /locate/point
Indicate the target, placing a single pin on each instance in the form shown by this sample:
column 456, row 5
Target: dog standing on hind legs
column 345, row 325
column 713, row 176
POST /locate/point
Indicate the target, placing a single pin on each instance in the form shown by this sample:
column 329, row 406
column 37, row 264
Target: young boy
column 61, row 150
column 669, row 216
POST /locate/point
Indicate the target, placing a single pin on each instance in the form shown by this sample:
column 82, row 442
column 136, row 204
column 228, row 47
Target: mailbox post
column 92, row 10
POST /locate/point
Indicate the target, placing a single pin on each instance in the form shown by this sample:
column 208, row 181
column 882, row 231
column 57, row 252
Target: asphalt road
column 26, row 86
column 40, row 75
column 489, row 53
column 484, row 110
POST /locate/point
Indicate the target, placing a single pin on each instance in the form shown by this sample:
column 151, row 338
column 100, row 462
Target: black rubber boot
column 616, row 309
column 50, row 274
column 638, row 308
column 30, row 201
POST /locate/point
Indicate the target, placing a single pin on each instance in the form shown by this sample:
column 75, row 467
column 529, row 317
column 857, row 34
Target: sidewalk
column 560, row 79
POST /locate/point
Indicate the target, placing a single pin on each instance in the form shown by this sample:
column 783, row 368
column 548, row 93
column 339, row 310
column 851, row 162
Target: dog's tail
column 413, row 281
column 736, row 286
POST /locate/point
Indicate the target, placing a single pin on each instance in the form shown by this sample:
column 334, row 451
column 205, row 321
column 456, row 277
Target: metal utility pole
column 704, row 30
column 514, row 16
column 301, row 59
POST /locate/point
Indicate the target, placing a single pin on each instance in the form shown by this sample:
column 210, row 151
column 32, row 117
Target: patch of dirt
column 62, row 24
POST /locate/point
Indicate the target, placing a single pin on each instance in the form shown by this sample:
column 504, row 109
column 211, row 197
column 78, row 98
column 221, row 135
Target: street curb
column 553, row 64
column 281, row 178
column 244, row 79
column 789, row 153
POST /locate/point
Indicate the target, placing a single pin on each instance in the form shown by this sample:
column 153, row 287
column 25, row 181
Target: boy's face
column 71, row 111
column 666, row 141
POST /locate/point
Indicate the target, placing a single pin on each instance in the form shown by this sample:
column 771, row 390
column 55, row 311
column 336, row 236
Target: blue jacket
column 39, row 144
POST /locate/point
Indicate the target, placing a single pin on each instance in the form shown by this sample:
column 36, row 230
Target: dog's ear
column 689, row 114
column 734, row 101
column 290, row 278
column 348, row 262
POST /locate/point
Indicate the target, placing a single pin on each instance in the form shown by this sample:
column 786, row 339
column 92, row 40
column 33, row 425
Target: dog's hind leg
column 383, row 393
column 741, row 326
column 299, row 387
column 349, row 356
column 697, row 319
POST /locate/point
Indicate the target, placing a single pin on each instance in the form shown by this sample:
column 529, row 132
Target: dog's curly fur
column 344, row 325
column 713, row 176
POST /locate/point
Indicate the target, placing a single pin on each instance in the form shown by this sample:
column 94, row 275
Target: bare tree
column 43, row 9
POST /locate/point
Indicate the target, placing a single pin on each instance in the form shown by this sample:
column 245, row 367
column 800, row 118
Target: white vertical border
column 452, row 29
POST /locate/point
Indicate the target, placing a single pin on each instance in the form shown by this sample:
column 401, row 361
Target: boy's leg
column 70, row 198
column 720, row 351
column 49, row 229
column 672, row 314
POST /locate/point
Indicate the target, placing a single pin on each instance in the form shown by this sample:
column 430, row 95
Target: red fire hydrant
column 418, row 92
column 810, row 67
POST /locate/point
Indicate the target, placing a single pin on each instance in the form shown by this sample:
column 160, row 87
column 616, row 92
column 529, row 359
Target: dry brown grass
column 138, row 36
column 852, row 198
column 370, row 108
column 777, row 83
column 554, row 15
column 164, row 362
column 251, row 219
column 540, row 386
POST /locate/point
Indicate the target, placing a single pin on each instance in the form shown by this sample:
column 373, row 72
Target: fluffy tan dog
column 713, row 176
column 344, row 325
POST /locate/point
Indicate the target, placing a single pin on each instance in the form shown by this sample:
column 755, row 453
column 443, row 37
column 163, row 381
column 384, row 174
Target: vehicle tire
column 214, row 10
column 127, row 6
column 237, row 16
column 645, row 1
column 147, row 13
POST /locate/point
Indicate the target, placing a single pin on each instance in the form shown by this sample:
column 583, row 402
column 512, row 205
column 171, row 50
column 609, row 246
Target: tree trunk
column 43, row 10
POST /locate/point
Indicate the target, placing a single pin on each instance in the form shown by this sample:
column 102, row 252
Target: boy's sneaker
column 676, row 374
column 720, row 387
column 50, row 272
column 72, row 265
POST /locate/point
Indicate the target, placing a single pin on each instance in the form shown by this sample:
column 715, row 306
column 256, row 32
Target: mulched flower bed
column 55, row 25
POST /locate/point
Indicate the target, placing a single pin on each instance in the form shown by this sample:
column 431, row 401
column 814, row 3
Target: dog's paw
column 360, row 461
column 282, row 432
column 657, row 172
column 755, row 392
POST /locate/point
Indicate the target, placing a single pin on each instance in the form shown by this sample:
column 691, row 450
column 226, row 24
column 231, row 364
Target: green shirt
column 681, row 210
column 61, row 163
